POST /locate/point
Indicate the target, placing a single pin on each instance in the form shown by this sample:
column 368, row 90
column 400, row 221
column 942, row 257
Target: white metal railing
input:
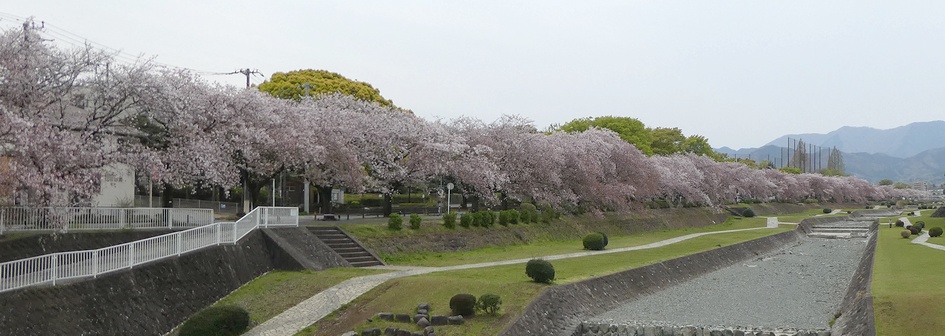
column 66, row 219
column 56, row 267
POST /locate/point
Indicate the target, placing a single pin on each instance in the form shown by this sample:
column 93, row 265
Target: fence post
column 168, row 217
column 235, row 234
column 2, row 224
column 95, row 264
column 180, row 243
column 264, row 212
column 219, row 230
column 55, row 268
column 131, row 255
column 122, row 220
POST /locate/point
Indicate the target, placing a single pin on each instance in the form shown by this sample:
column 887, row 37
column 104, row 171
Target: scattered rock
column 390, row 331
column 456, row 320
column 423, row 311
column 371, row 332
column 425, row 306
column 423, row 323
column 385, row 316
column 416, row 318
column 439, row 320
column 402, row 318
column 428, row 330
column 350, row 333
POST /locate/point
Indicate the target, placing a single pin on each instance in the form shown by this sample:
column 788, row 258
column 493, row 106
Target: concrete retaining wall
column 305, row 248
column 559, row 309
column 147, row 300
column 623, row 329
column 805, row 224
column 856, row 311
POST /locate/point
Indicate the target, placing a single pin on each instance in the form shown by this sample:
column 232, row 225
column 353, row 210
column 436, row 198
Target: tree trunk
column 388, row 204
column 324, row 199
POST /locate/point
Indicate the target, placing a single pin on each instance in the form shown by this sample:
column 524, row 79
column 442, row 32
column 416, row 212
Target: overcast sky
column 740, row 73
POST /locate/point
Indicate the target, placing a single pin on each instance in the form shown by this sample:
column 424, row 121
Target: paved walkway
column 923, row 240
column 317, row 307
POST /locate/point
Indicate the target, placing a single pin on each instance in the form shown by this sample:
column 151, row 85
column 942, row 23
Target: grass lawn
column 819, row 212
column 907, row 295
column 543, row 248
column 402, row 295
column 273, row 293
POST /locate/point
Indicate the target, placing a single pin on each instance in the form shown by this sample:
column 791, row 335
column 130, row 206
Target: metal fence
column 66, row 219
column 58, row 267
column 230, row 208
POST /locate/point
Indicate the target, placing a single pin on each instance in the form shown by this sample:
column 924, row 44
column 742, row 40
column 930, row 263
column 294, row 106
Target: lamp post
column 449, row 189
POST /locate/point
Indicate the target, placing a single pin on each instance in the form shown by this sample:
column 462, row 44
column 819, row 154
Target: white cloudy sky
column 738, row 72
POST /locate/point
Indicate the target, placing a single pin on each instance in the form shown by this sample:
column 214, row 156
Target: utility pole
column 306, row 198
column 246, row 201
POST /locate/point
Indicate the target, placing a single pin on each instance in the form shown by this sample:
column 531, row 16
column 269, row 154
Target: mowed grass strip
column 907, row 297
column 544, row 248
column 277, row 291
column 402, row 295
column 812, row 213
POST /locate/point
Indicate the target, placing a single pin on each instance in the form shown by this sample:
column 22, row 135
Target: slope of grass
column 543, row 248
column 812, row 213
column 274, row 292
column 402, row 295
column 907, row 295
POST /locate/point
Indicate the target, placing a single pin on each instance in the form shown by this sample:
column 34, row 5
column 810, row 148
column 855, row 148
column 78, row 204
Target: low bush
column 899, row 223
column 915, row 229
column 489, row 303
column 935, row 232
column 594, row 241
column 449, row 220
column 540, row 270
column 463, row 304
column 921, row 224
column 828, row 210
column 216, row 321
column 395, row 222
column 466, row 220
column 606, row 241
column 528, row 213
column 488, row 218
column 748, row 212
column 504, row 217
column 415, row 221
column 513, row 216
column 905, row 233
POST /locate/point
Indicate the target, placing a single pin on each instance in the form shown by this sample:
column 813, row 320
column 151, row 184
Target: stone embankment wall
column 856, row 311
column 605, row 329
column 557, row 310
column 302, row 246
column 147, row 300
column 14, row 248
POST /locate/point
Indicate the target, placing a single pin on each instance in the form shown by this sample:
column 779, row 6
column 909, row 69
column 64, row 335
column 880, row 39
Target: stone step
column 839, row 230
column 366, row 263
column 357, row 254
column 324, row 236
column 837, row 235
column 360, row 259
column 348, row 249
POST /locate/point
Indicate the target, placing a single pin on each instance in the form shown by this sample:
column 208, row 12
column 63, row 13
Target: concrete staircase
column 844, row 230
column 345, row 246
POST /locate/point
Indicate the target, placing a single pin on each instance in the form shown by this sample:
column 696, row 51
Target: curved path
column 315, row 308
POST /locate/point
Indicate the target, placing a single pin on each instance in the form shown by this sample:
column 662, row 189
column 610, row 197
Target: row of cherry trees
column 65, row 114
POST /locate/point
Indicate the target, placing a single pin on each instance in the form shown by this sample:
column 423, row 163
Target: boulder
column 423, row 323
column 402, row 318
column 439, row 320
column 386, row 316
column 456, row 320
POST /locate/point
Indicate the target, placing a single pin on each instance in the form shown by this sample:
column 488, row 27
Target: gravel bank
column 800, row 286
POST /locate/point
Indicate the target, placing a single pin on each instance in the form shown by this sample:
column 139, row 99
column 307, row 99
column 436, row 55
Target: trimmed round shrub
column 488, row 217
column 466, row 220
column 905, row 233
column 395, row 222
column 478, row 219
column 513, row 216
column 415, row 221
column 504, row 217
column 540, row 270
column 899, row 223
column 921, row 224
column 216, row 321
column 489, row 303
column 935, row 232
column 606, row 241
column 594, row 241
column 463, row 304
column 828, row 210
column 915, row 229
column 748, row 212
column 449, row 220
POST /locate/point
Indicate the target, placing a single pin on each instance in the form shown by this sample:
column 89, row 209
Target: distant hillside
column 901, row 142
column 928, row 166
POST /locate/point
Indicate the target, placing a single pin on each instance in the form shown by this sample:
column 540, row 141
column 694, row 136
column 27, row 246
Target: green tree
column 666, row 141
column 835, row 162
column 292, row 85
column 901, row 185
column 791, row 170
column 629, row 129
column 885, row 182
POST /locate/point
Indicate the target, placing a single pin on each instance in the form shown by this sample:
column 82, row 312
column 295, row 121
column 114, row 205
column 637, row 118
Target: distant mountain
column 910, row 153
column 901, row 142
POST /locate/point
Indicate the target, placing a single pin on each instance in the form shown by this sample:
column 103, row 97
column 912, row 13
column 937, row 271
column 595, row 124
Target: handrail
column 66, row 219
column 56, row 267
